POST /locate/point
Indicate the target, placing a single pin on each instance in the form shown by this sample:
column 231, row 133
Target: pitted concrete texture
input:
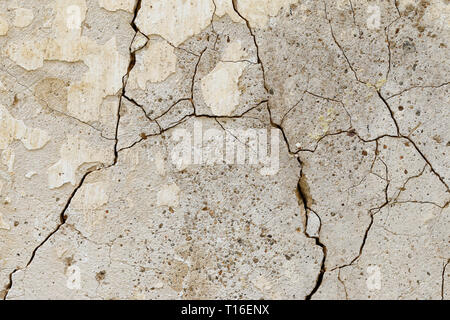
column 224, row 149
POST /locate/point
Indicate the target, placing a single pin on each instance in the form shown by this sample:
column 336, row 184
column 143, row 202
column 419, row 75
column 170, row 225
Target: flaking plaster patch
column 3, row 224
column 91, row 196
column 74, row 153
column 8, row 158
column 169, row 196
column 114, row 5
column 104, row 78
column 12, row 129
column 174, row 20
column 220, row 88
column 258, row 12
column 106, row 65
column 154, row 64
column 4, row 27
column 224, row 7
column 67, row 44
column 27, row 54
column 23, row 17
column 89, row 200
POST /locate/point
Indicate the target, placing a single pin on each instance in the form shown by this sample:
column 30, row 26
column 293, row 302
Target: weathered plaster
column 123, row 126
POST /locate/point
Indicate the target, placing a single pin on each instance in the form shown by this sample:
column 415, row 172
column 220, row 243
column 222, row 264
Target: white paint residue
column 174, row 20
column 12, row 129
column 23, row 17
column 30, row 174
column 106, row 65
column 3, row 224
column 154, row 64
column 114, row 5
column 4, row 27
column 220, row 87
column 258, row 12
column 8, row 158
column 74, row 153
column 226, row 7
column 169, row 196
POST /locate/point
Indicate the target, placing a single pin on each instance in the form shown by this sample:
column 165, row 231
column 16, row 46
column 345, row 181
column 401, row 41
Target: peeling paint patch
column 27, row 54
column 4, row 27
column 8, row 158
column 74, row 153
column 12, row 129
column 114, row 5
column 67, row 45
column 24, row 17
column 174, row 20
column 106, row 69
column 106, row 65
column 224, row 7
column 154, row 64
column 52, row 93
column 91, row 196
column 220, row 87
column 258, row 12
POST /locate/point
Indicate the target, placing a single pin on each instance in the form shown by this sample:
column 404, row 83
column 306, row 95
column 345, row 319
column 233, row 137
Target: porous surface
column 224, row 149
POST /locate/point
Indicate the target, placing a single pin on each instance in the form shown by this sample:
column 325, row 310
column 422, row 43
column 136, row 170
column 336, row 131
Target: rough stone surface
column 219, row 149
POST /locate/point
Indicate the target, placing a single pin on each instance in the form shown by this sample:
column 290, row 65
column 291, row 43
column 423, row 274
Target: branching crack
column 301, row 188
column 339, row 45
column 303, row 197
column 63, row 216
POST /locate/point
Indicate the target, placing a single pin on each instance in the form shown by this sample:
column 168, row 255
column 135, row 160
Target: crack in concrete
column 417, row 87
column 302, row 193
column 63, row 216
column 443, row 279
column 62, row 221
column 384, row 100
column 390, row 112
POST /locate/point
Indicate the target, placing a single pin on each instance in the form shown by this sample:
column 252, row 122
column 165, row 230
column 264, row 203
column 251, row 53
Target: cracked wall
column 215, row 149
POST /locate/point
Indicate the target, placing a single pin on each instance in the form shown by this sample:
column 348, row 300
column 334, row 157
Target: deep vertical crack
column 193, row 79
column 443, row 279
column 279, row 127
column 302, row 194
